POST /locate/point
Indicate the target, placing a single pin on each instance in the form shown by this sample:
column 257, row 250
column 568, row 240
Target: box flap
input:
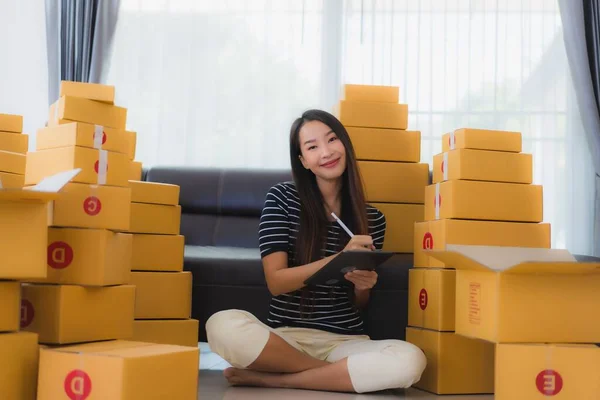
column 512, row 259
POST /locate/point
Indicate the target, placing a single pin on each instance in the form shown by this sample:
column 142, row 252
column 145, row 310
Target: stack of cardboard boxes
column 388, row 157
column 163, row 290
column 481, row 195
column 13, row 147
column 85, row 295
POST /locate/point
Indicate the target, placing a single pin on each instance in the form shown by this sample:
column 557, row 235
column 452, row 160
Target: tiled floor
column 212, row 385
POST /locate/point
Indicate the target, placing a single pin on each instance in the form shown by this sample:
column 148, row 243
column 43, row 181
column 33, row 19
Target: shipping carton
column 19, row 367
column 118, row 370
column 373, row 115
column 69, row 134
column 527, row 295
column 13, row 163
column 371, row 93
column 155, row 218
column 181, row 332
column 14, row 142
column 482, row 139
column 89, row 111
column 157, row 253
column 386, row 144
column 431, row 298
column 91, row 91
column 162, row 294
column 400, row 224
column 11, row 181
column 10, row 306
column 135, row 171
column 392, row 182
column 154, row 193
column 11, row 123
column 132, row 138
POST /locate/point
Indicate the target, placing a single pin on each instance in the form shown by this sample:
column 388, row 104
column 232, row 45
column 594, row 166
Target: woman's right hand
column 360, row 242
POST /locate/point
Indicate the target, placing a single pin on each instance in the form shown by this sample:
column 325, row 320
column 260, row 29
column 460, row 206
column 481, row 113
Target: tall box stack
column 388, row 158
column 13, row 147
column 481, row 195
column 164, row 291
column 86, row 295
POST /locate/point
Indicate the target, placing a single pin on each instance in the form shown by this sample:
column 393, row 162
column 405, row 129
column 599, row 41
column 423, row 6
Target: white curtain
column 218, row 83
column 23, row 65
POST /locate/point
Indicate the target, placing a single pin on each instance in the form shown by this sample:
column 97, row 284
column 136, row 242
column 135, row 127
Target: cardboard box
column 19, row 367
column 62, row 314
column 69, row 134
column 91, row 91
column 455, row 364
column 482, row 139
column 14, row 142
column 482, row 165
column 400, row 225
column 386, row 144
column 11, row 181
column 391, row 182
column 118, row 370
column 437, row 234
column 372, row 93
column 23, row 245
column 491, row 201
column 13, row 163
column 154, row 193
column 132, row 137
column 88, row 257
column 547, row 371
column 181, row 332
column 135, row 171
column 89, row 111
column 11, row 123
column 10, row 306
column 373, row 115
column 162, row 294
column 99, row 167
column 431, row 298
column 155, row 218
column 157, row 253
column 92, row 206
column 527, row 295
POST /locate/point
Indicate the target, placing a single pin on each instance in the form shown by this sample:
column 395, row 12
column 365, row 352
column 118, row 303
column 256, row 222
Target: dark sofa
column 220, row 214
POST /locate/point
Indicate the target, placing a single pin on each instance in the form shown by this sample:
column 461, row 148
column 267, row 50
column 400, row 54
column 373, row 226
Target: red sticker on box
column 92, row 206
column 27, row 313
column 423, row 299
column 78, row 385
column 442, row 166
column 60, row 255
column 427, row 241
column 96, row 166
column 549, row 382
column 437, row 201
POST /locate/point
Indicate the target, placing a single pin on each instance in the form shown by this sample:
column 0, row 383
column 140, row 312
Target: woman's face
column 322, row 151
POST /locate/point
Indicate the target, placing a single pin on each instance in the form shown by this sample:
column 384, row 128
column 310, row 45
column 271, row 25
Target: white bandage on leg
column 380, row 365
column 237, row 336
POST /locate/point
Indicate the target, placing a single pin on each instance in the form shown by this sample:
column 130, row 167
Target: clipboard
column 348, row 260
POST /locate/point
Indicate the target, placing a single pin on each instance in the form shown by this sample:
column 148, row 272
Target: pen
column 339, row 221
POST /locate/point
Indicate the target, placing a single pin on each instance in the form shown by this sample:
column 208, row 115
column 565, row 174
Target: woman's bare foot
column 245, row 377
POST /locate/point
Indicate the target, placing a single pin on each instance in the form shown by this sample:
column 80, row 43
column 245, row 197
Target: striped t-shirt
column 328, row 308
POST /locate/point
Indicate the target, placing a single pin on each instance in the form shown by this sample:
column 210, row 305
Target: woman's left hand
column 363, row 280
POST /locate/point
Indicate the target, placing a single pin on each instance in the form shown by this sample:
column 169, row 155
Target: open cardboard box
column 527, row 295
column 24, row 230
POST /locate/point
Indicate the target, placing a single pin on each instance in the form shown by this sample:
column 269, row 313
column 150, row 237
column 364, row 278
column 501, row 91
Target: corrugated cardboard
column 400, row 224
column 437, row 234
column 154, row 193
column 11, row 181
column 14, row 142
column 13, row 163
column 431, row 298
column 135, row 171
column 547, row 371
column 386, row 144
column 10, row 306
column 62, row 314
column 89, row 257
column 132, row 136
column 372, row 93
column 115, row 171
column 482, row 139
column 119, row 370
column 181, row 332
column 527, row 295
column 92, row 206
column 11, row 123
column 391, row 182
column 69, row 134
column 455, row 364
column 482, row 165
column 155, row 218
column 373, row 115
column 19, row 367
column 490, row 201
column 91, row 91
column 89, row 111
column 157, row 252
column 162, row 294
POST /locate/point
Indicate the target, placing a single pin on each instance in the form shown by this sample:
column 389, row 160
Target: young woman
column 315, row 337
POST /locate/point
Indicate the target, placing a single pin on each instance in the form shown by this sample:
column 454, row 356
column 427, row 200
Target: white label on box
column 437, row 201
column 452, row 141
column 445, row 167
column 102, row 167
column 98, row 136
